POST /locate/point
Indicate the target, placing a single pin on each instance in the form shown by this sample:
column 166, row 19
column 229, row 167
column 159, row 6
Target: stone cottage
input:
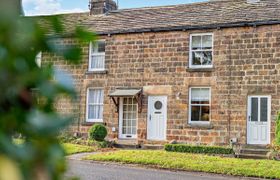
column 200, row 73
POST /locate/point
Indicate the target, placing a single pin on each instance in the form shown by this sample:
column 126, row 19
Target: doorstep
column 252, row 152
column 127, row 144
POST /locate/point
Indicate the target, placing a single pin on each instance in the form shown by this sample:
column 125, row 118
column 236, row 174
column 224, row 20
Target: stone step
column 152, row 147
column 254, row 151
column 248, row 146
column 252, row 156
column 127, row 144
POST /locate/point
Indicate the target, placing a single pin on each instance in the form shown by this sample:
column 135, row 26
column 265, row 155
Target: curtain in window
column 95, row 104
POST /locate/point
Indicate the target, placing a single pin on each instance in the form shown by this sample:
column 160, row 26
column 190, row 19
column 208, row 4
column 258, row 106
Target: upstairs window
column 95, row 98
column 97, row 56
column 199, row 105
column 201, row 51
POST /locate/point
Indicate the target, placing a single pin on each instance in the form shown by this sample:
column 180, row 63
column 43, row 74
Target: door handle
column 150, row 117
column 249, row 118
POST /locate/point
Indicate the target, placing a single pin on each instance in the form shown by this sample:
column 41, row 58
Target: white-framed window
column 38, row 59
column 199, row 104
column 97, row 56
column 95, row 98
column 201, row 50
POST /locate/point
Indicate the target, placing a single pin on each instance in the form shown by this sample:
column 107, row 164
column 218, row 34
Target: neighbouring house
column 200, row 73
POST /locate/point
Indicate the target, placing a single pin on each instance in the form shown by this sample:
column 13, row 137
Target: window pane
column 196, row 58
column 196, row 42
column 205, row 113
column 200, row 95
column 206, row 58
column 91, row 96
column 124, row 130
column 101, row 46
column 264, row 110
column 98, row 61
column 195, row 113
column 207, row 42
column 90, row 112
column 254, row 110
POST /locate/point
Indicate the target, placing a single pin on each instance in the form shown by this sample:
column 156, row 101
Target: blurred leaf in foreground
column 40, row 156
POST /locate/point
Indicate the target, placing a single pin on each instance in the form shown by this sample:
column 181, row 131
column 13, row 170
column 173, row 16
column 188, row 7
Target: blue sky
column 39, row 7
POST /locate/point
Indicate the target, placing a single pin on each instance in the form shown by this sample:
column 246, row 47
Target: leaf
column 9, row 169
column 84, row 35
column 45, row 124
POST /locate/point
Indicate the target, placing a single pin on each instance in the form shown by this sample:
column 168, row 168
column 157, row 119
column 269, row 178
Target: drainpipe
column 229, row 94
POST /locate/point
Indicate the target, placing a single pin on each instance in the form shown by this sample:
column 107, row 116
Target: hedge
column 198, row 149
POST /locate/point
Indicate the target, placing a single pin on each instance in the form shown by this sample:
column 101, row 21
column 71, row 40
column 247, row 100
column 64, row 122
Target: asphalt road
column 100, row 171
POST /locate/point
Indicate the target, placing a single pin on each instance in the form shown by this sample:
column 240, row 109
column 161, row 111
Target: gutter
column 183, row 28
column 203, row 27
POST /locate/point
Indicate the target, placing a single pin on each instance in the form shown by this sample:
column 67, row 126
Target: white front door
column 157, row 118
column 258, row 120
column 128, row 111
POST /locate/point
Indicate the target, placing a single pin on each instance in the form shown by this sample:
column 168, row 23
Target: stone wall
column 246, row 62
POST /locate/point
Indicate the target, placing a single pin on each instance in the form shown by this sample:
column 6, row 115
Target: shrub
column 98, row 132
column 198, row 149
column 278, row 130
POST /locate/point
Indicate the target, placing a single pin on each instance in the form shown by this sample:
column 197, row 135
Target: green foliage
column 21, row 39
column 198, row 149
column 103, row 144
column 194, row 162
column 97, row 132
column 76, row 148
column 277, row 139
column 66, row 137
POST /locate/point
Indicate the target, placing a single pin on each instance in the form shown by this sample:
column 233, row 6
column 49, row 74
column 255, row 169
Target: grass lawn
column 75, row 148
column 194, row 162
column 69, row 148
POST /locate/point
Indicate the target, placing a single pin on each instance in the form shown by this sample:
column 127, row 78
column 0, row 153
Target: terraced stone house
column 200, row 73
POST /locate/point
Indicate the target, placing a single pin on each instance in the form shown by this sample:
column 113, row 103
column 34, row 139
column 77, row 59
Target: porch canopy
column 133, row 93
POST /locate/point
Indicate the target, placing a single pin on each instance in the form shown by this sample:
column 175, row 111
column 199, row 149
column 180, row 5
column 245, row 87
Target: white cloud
column 46, row 7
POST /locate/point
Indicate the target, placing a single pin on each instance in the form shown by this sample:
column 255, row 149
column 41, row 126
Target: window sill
column 91, row 123
column 97, row 72
column 189, row 69
column 200, row 125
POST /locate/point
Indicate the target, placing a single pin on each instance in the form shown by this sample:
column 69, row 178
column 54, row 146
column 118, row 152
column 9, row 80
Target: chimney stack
column 101, row 6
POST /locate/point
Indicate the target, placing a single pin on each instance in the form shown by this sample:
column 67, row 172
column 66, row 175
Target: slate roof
column 211, row 14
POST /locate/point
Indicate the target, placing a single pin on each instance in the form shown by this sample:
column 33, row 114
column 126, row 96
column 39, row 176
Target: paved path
column 87, row 170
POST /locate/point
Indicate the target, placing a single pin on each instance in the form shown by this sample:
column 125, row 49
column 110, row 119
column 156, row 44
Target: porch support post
column 116, row 102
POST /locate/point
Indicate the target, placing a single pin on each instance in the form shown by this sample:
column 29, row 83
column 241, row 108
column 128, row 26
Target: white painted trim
column 121, row 135
column 249, row 100
column 210, row 103
column 93, row 120
column 91, row 54
column 38, row 59
column 190, row 52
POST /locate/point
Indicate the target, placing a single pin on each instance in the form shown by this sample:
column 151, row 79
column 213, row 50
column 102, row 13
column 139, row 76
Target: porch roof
column 125, row 92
